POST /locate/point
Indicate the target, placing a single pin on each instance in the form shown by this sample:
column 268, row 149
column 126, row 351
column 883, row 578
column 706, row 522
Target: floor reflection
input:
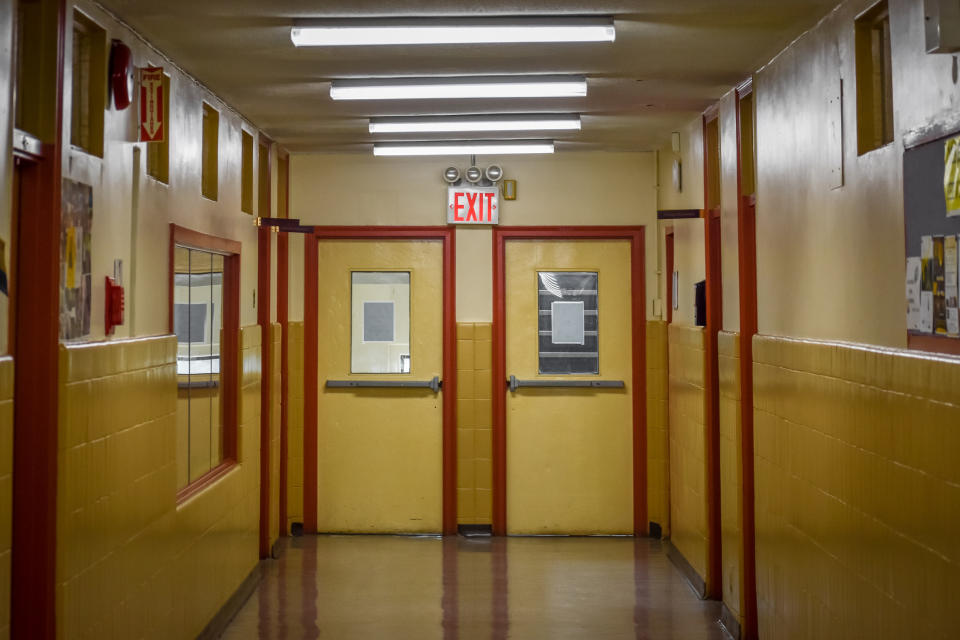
column 464, row 588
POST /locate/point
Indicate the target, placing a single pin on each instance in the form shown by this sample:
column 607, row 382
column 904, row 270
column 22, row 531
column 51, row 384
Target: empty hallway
column 474, row 587
column 566, row 319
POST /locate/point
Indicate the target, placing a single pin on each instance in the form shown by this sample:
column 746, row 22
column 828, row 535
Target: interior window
column 198, row 324
column 89, row 84
column 874, row 79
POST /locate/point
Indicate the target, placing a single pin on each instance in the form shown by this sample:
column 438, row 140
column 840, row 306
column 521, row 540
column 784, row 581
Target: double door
column 383, row 443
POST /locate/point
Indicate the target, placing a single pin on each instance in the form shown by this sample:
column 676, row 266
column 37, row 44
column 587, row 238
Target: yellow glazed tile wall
column 658, row 446
column 6, row 489
column 858, row 491
column 728, row 347
column 474, row 423
column 275, row 369
column 294, row 424
column 688, row 501
column 131, row 562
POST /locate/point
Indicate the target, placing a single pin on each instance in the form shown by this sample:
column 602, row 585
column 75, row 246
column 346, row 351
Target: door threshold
column 570, row 535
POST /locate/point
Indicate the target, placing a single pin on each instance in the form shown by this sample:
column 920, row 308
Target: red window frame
column 229, row 350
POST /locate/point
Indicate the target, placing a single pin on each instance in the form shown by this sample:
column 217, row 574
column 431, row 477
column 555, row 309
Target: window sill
column 205, row 481
column 204, row 384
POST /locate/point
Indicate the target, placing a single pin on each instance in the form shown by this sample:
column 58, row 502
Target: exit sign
column 473, row 205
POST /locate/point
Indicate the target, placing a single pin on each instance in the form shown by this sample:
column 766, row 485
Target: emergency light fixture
column 462, row 148
column 417, row 31
column 443, row 88
column 455, row 124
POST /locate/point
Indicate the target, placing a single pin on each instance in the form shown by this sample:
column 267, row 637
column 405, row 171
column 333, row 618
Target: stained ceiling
column 671, row 60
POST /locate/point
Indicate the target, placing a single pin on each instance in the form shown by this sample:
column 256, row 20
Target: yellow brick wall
column 131, row 562
column 658, row 448
column 730, row 471
column 295, row 424
column 275, row 332
column 6, row 489
column 688, row 498
column 474, row 423
column 858, row 491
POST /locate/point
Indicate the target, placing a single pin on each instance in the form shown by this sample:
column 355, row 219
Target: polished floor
column 423, row 587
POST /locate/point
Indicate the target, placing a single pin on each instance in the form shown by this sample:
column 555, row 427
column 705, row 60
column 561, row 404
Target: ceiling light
column 462, row 148
column 440, row 88
column 548, row 122
column 335, row 33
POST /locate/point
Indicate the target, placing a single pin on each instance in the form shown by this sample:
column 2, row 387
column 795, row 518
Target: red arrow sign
column 152, row 125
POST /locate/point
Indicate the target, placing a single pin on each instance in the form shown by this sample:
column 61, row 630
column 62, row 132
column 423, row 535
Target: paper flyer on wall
column 913, row 294
column 926, row 284
column 939, row 291
column 951, row 176
column 950, row 284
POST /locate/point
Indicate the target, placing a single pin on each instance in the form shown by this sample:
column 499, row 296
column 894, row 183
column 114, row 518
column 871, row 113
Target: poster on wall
column 913, row 294
column 938, row 278
column 76, row 223
column 950, row 284
column 951, row 176
column 926, row 284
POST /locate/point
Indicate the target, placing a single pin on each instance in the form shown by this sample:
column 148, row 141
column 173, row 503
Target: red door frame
column 311, row 299
column 36, row 383
column 639, row 334
column 283, row 317
column 747, row 258
column 713, row 579
column 264, row 301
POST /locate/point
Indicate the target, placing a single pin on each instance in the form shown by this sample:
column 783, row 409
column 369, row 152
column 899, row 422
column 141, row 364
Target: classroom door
column 380, row 406
column 569, row 414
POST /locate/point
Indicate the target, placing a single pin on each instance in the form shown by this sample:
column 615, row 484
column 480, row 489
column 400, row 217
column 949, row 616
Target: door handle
column 515, row 384
column 434, row 384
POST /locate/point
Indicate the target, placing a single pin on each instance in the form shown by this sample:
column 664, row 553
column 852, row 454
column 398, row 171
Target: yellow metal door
column 379, row 449
column 569, row 450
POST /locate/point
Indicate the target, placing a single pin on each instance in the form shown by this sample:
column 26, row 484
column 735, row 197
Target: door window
column 569, row 322
column 380, row 324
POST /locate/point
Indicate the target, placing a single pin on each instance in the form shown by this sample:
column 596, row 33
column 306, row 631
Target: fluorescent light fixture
column 410, row 31
column 448, row 124
column 462, row 148
column 443, row 88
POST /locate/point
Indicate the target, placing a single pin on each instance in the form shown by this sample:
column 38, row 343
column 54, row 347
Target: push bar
column 566, row 384
column 434, row 384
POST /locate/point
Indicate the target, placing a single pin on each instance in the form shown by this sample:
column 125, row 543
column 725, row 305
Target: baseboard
column 218, row 624
column 730, row 622
column 687, row 570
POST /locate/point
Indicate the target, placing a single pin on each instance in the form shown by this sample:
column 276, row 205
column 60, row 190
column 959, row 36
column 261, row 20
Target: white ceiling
column 671, row 60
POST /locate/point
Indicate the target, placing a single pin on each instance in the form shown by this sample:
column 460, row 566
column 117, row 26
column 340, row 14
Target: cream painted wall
column 588, row 188
column 474, row 257
column 831, row 262
column 690, row 194
column 729, row 246
column 688, row 259
column 688, row 248
column 157, row 204
column 295, row 277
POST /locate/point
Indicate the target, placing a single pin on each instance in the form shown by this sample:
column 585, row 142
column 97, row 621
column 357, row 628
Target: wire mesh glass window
column 569, row 323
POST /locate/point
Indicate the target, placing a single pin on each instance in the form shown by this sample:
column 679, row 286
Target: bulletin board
column 931, row 193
